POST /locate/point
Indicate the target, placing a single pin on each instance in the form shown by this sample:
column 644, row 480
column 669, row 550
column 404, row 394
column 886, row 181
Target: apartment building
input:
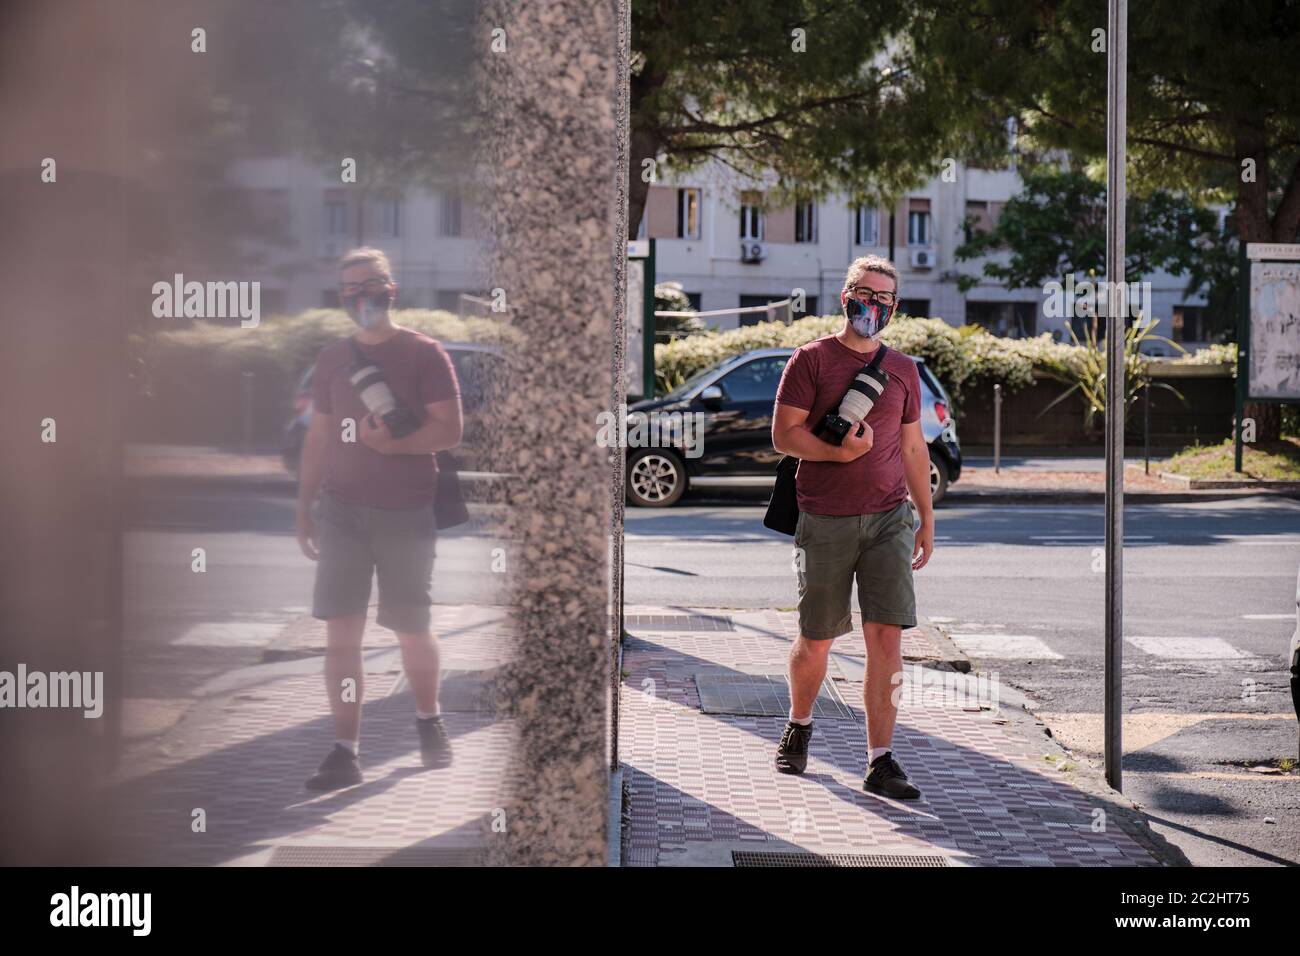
column 306, row 219
column 713, row 238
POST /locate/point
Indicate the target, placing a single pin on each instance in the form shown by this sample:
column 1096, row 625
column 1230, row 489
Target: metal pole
column 1116, row 128
column 997, row 428
column 246, row 406
column 1146, row 429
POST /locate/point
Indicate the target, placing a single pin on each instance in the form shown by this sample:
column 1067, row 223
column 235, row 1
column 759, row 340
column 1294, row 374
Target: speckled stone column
column 549, row 162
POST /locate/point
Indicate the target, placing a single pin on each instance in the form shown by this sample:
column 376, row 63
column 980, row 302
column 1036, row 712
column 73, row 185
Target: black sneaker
column 886, row 778
column 339, row 769
column 792, row 752
column 435, row 745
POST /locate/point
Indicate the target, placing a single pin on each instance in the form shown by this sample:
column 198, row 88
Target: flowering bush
column 1214, row 355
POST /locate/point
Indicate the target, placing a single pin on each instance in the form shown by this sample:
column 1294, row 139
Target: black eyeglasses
column 370, row 285
column 871, row 295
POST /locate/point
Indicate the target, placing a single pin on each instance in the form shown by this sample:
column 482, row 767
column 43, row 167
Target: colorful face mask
column 868, row 318
column 367, row 311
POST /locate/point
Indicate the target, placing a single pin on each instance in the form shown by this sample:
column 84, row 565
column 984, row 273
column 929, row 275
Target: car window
column 755, row 381
column 472, row 367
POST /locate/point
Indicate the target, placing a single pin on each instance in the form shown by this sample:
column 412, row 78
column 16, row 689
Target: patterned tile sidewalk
column 243, row 751
column 699, row 787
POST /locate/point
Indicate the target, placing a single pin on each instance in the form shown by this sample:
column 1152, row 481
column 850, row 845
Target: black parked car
column 473, row 363
column 736, row 397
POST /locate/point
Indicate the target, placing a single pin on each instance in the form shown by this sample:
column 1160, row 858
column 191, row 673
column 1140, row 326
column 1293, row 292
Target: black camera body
column 833, row 428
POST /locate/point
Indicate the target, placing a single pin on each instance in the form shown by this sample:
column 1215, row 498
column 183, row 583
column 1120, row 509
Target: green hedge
column 961, row 356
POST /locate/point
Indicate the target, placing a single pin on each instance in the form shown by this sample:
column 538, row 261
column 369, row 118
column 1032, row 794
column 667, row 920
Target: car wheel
column 938, row 477
column 655, row 478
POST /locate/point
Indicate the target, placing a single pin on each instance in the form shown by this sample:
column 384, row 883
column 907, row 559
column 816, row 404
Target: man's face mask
column 368, row 305
column 868, row 318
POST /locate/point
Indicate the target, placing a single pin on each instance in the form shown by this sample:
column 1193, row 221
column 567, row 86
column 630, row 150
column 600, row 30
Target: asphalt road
column 1209, row 609
column 1209, row 605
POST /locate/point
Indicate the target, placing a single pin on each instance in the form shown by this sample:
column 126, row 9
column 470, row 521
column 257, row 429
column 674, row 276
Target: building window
column 865, row 226
column 920, row 308
column 694, row 299
column 336, row 217
column 1013, row 320
column 805, row 222
column 918, row 227
column 449, row 220
column 751, row 219
column 753, row 318
column 388, row 218
column 1190, row 324
column 977, row 219
column 688, row 214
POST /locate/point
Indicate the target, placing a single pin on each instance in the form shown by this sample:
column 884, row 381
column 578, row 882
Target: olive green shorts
column 356, row 543
column 832, row 550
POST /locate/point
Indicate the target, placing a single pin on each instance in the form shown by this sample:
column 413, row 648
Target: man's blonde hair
column 861, row 266
column 367, row 254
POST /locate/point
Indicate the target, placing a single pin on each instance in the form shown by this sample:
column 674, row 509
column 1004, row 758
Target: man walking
column 855, row 521
column 374, row 516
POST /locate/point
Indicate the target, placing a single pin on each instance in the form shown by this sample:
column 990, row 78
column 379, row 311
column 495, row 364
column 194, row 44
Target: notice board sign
column 1273, row 354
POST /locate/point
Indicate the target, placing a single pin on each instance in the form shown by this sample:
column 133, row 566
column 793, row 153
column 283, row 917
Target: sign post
column 1117, row 310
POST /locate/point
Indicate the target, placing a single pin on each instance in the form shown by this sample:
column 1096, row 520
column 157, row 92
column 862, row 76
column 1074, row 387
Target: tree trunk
column 645, row 141
column 1253, row 225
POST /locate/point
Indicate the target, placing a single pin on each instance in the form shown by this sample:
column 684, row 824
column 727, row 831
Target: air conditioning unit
column 922, row 258
column 752, row 250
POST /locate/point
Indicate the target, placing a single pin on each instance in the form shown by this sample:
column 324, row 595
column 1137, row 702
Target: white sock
column 352, row 745
column 801, row 721
column 437, row 709
column 874, row 752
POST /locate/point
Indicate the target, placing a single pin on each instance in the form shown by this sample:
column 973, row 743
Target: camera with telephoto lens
column 379, row 399
column 867, row 387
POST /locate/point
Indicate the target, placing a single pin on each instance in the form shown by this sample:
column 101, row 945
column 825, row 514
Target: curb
column 951, row 657
column 1267, row 484
column 1118, row 808
column 1003, row 496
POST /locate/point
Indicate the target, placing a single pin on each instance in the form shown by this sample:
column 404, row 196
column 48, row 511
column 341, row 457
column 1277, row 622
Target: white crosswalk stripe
column 1189, row 648
column 231, row 633
column 1006, row 646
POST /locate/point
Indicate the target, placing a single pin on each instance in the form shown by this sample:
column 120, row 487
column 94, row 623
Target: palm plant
column 1084, row 369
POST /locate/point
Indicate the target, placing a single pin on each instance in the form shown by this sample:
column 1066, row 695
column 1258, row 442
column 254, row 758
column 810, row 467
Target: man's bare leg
column 884, row 660
column 422, row 661
column 343, row 663
column 807, row 671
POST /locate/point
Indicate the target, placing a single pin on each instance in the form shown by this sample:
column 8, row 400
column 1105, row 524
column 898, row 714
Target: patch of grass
column 1266, row 461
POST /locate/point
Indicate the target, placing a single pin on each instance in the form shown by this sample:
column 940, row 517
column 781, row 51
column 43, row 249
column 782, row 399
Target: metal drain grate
column 763, row 858
column 762, row 695
column 375, row 856
column 679, row 622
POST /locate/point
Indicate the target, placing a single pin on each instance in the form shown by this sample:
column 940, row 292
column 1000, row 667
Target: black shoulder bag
column 783, row 507
column 449, row 508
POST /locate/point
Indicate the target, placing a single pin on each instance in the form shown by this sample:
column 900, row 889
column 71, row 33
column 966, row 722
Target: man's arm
column 916, row 468
column 311, row 472
column 791, row 435
column 442, row 429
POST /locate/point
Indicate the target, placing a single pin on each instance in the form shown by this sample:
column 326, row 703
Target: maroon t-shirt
column 419, row 373
column 816, row 378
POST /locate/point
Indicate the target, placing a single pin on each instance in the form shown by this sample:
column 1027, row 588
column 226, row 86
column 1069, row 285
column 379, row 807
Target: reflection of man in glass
column 384, row 401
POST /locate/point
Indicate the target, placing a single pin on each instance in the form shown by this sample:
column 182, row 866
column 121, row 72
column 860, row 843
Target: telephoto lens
column 380, row 401
column 867, row 386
